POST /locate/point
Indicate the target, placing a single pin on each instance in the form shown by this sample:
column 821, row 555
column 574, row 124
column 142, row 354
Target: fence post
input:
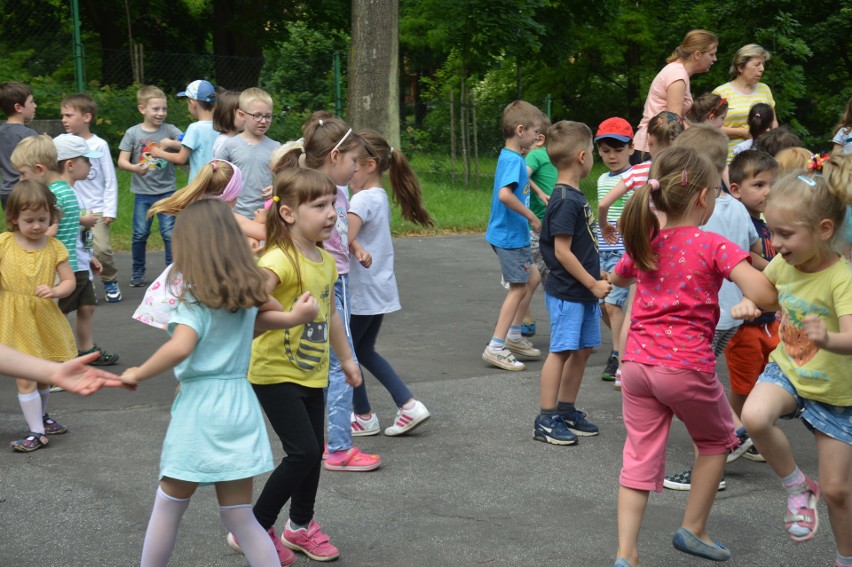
column 463, row 131
column 548, row 100
column 79, row 71
column 452, row 140
column 338, row 103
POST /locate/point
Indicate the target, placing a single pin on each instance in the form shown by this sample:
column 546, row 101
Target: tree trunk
column 110, row 20
column 373, row 76
column 237, row 29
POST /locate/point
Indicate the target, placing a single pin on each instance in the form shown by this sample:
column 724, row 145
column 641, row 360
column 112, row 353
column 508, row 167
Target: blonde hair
column 519, row 113
column 743, row 55
column 791, row 159
column 146, row 93
column 694, row 41
column 213, row 259
column 706, row 139
column 35, row 150
column 30, row 196
column 565, row 140
column 665, row 127
column 210, row 181
column 254, row 94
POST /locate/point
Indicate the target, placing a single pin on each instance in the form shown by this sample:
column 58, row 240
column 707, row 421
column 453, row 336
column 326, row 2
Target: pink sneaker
column 286, row 556
column 352, row 460
column 312, row 542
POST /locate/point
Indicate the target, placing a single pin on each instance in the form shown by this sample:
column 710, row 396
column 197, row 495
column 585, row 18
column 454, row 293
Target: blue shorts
column 834, row 421
column 573, row 326
column 618, row 295
column 514, row 264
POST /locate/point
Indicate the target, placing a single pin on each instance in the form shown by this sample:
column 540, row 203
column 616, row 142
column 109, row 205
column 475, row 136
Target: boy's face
column 154, row 111
column 78, row 168
column 257, row 116
column 74, row 121
column 192, row 105
column 527, row 135
column 28, row 173
column 753, row 191
column 615, row 159
column 28, row 110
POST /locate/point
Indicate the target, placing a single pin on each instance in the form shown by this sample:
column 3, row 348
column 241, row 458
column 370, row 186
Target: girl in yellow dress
column 30, row 320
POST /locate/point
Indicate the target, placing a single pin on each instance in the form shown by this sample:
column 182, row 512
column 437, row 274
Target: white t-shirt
column 373, row 290
column 843, row 138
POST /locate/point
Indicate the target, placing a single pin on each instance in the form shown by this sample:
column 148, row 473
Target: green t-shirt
column 69, row 224
column 542, row 174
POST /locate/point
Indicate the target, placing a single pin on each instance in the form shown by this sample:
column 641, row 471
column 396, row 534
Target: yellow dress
column 28, row 323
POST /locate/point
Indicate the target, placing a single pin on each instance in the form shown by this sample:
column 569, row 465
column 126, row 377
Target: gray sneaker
column 522, row 347
column 502, row 359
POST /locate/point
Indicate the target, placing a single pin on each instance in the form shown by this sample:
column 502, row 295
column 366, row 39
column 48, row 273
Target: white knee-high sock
column 31, row 406
column 255, row 543
column 43, row 394
column 162, row 529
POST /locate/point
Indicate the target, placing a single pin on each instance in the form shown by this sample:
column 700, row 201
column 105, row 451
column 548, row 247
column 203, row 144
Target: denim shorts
column 573, row 326
column 618, row 295
column 535, row 251
column 834, row 421
column 514, row 264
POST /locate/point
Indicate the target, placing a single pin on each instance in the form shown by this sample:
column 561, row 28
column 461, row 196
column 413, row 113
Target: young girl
column 32, row 323
column 330, row 146
column 708, row 107
column 808, row 374
column 289, row 368
column 761, row 118
column 669, row 366
column 226, row 120
column 843, row 132
column 216, row 434
column 374, row 290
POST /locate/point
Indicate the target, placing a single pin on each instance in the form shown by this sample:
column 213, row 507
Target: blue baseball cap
column 199, row 90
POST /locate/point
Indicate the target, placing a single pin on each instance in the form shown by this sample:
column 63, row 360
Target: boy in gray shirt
column 16, row 102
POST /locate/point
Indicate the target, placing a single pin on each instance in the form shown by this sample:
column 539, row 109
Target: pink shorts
column 651, row 395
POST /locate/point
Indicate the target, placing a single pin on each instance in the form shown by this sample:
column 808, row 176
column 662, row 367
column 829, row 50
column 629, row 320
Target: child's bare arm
column 363, row 256
column 175, row 351
column 608, row 230
column 64, row 288
column 179, row 157
column 124, row 163
column 756, row 288
column 271, row 314
column 337, row 337
column 508, row 198
column 562, row 248
column 838, row 343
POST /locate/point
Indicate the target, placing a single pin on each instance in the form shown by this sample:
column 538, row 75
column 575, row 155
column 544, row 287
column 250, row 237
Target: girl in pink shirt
column 669, row 366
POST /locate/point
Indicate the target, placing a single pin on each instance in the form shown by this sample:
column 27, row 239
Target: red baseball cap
column 616, row 128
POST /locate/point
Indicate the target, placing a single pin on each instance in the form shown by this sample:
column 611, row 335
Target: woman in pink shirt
column 670, row 88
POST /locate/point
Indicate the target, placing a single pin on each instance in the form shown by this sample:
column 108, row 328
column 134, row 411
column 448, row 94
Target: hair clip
column 757, row 115
column 321, row 122
column 391, row 150
column 684, row 177
column 655, row 185
column 817, row 161
column 807, row 180
column 276, row 198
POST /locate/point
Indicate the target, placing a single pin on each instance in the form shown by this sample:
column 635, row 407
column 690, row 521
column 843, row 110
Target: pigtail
column 212, row 179
column 406, row 190
column 639, row 226
column 285, row 159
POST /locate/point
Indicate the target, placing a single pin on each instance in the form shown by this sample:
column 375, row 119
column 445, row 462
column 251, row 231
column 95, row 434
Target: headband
column 343, row 139
column 235, row 184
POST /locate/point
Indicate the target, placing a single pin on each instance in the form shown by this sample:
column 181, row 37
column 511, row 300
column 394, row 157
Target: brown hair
column 565, row 140
column 35, row 150
column 519, row 113
column 82, row 103
column 706, row 107
column 776, row 140
column 404, row 185
column 227, row 103
column 750, row 163
column 665, row 127
column 695, row 40
column 146, row 93
column 33, row 196
column 214, row 260
column 209, row 182
column 12, row 93
column 677, row 177
column 321, row 137
column 706, row 139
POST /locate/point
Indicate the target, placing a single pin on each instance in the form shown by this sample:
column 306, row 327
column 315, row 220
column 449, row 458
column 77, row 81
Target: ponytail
column 213, row 180
column 639, row 226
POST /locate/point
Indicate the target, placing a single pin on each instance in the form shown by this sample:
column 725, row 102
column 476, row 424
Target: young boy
column 509, row 235
column 197, row 143
column 16, row 102
column 752, row 173
column 72, row 156
column 615, row 146
column 250, row 151
column 98, row 193
column 153, row 178
column 573, row 288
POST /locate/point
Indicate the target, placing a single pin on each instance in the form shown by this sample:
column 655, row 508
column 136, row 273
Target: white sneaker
column 617, row 384
column 364, row 427
column 408, row 419
column 502, row 359
column 522, row 347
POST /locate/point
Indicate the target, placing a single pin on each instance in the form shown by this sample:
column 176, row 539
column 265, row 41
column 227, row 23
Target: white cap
column 69, row 146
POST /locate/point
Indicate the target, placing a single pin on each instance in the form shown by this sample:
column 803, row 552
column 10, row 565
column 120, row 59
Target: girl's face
column 752, row 70
column 343, row 166
column 654, row 146
column 797, row 244
column 718, row 120
column 362, row 175
column 314, row 220
column 33, row 224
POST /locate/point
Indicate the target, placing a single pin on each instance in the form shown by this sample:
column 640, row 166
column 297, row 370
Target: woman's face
column 705, row 59
column 752, row 70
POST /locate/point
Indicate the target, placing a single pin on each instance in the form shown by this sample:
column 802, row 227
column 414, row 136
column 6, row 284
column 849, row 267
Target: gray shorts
column 514, row 264
column 535, row 252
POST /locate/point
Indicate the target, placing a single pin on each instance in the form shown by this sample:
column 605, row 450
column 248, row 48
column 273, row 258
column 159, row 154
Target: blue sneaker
column 528, row 329
column 552, row 429
column 578, row 424
column 113, row 294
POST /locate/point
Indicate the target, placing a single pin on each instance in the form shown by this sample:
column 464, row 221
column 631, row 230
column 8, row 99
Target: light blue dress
column 217, row 432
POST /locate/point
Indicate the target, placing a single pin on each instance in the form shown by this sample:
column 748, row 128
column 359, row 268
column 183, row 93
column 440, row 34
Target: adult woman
column 744, row 91
column 670, row 88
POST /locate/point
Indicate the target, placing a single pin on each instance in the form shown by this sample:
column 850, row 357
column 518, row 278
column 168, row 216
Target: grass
column 455, row 207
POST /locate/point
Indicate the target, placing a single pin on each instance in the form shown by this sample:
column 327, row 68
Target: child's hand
column 96, row 265
column 107, row 220
column 535, row 225
column 88, row 220
column 266, row 193
column 45, row 292
column 609, row 233
column 745, row 310
column 260, row 216
column 364, row 258
column 352, row 371
column 140, row 168
column 131, row 376
column 815, row 330
column 306, row 308
column 601, row 288
column 255, row 244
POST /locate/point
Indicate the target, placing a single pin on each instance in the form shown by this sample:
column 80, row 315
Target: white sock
column 256, row 544
column 514, row 333
column 44, row 394
column 162, row 529
column 31, row 406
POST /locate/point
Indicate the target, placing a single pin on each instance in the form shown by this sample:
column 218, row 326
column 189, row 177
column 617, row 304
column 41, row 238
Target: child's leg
column 304, row 497
column 167, row 222
column 835, row 480
column 236, row 515
column 631, row 510
column 103, row 250
column 524, row 305
column 339, row 393
column 171, row 502
column 509, row 309
column 552, row 373
column 766, row 403
column 84, row 327
column 706, row 474
column 141, row 231
column 31, row 404
column 572, row 375
column 366, row 328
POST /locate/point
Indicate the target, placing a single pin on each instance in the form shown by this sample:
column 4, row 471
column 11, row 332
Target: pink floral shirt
column 159, row 301
column 677, row 305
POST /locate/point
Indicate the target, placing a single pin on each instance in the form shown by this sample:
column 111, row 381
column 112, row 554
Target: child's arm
column 507, row 197
column 88, row 220
column 110, row 185
column 271, row 315
column 73, row 376
column 64, row 288
column 838, row 343
column 541, row 194
column 608, row 230
column 96, row 266
column 251, row 228
column 337, row 337
column 179, row 157
column 618, row 281
column 124, row 163
column 837, row 150
column 175, row 351
column 562, row 248
column 364, row 258
column 758, row 292
column 757, row 260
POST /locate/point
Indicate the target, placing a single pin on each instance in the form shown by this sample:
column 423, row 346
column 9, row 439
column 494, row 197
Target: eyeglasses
column 258, row 117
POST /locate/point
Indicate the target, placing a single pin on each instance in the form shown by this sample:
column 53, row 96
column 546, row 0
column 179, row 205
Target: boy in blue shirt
column 509, row 235
column 197, row 143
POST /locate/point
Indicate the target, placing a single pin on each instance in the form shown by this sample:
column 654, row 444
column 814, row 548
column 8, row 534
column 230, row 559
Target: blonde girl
column 289, row 368
column 843, row 132
column 669, row 365
column 30, row 262
column 374, row 290
column 808, row 373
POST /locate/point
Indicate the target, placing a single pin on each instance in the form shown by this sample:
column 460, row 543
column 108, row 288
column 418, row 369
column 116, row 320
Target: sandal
column 53, row 427
column 352, row 460
column 806, row 516
column 30, row 442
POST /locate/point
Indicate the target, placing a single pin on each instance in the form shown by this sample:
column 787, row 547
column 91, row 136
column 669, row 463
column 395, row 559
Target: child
column 289, row 368
column 73, row 155
column 669, row 366
column 761, row 118
column 29, row 264
column 217, row 433
column 509, row 235
column 153, row 178
column 843, row 132
column 615, row 146
column 99, row 191
column 792, row 159
column 776, row 140
column 710, row 108
column 197, row 143
column 330, row 146
column 752, row 174
column 374, row 291
column 573, row 288
column 250, row 150
column 808, row 373
column 16, row 102
column 226, row 120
